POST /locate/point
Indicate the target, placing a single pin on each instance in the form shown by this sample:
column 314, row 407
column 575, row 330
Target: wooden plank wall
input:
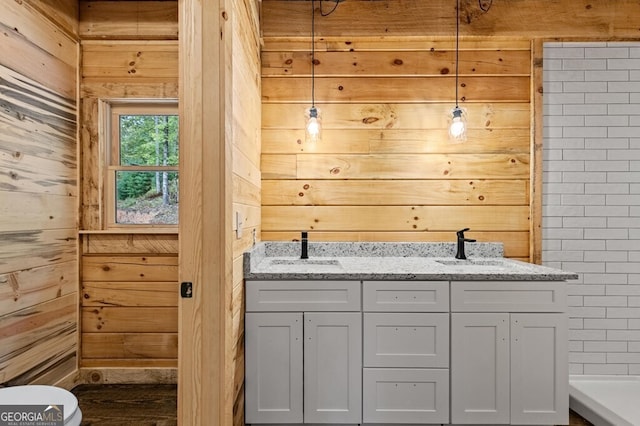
column 385, row 169
column 129, row 300
column 112, row 49
column 395, row 94
column 129, row 279
column 38, row 194
column 246, row 124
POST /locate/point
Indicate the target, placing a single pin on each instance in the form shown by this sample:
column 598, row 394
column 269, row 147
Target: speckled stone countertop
column 390, row 261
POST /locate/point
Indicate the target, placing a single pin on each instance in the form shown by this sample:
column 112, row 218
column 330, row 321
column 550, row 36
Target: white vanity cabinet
column 509, row 353
column 303, row 352
column 406, row 352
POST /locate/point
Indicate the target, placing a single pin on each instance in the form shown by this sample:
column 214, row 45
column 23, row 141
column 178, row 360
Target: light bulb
column 313, row 127
column 458, row 127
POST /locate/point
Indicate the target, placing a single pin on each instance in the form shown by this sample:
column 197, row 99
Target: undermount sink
column 306, row 262
column 315, row 264
column 472, row 262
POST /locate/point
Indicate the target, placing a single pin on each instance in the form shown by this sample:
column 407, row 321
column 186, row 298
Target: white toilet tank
column 51, row 396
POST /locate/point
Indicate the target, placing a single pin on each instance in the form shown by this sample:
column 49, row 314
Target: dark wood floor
column 140, row 405
column 148, row 405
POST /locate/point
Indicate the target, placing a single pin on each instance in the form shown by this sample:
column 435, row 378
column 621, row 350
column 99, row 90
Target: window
column 141, row 183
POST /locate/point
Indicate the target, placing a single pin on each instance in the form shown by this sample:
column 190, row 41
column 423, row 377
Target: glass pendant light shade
column 313, row 129
column 458, row 126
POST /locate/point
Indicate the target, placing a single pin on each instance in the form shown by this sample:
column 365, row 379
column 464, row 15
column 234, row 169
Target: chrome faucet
column 461, row 240
column 304, row 246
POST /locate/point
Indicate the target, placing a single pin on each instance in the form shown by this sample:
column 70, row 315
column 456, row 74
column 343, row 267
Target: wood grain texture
column 426, row 166
column 134, row 367
column 130, row 345
column 37, row 48
column 124, row 61
column 377, row 116
column 386, row 42
column 91, row 166
column 128, row 20
column 38, row 337
column 133, row 294
column 64, row 14
column 399, row 141
column 24, row 211
column 130, row 268
column 385, row 165
column 206, row 253
column 394, row 192
column 38, row 131
column 131, row 375
column 396, row 63
column 38, row 193
column 130, row 243
column 536, row 152
column 395, row 218
column 28, row 287
column 106, row 319
column 397, row 89
column 562, row 18
column 24, row 250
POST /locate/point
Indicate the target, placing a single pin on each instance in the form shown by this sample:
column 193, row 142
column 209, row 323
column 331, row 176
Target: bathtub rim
column 592, row 409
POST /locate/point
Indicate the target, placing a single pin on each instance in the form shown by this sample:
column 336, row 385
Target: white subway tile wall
column 591, row 201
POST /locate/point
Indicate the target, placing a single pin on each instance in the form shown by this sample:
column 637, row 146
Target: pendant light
column 313, row 128
column 458, row 126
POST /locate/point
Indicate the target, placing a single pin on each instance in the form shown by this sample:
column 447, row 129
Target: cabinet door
column 332, row 367
column 539, row 369
column 480, row 368
column 273, row 364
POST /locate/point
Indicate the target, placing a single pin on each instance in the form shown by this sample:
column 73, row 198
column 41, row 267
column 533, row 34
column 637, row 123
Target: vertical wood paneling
column 385, row 165
column 537, row 128
column 246, row 123
column 205, row 393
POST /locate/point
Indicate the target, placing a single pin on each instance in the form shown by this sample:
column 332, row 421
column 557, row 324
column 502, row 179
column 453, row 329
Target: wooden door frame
column 204, row 357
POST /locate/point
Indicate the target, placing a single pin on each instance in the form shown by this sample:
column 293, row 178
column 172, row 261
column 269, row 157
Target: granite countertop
column 390, row 261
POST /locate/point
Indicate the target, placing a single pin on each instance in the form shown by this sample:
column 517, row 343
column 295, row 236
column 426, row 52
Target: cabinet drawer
column 508, row 296
column 406, row 340
column 405, row 395
column 406, row 296
column 302, row 296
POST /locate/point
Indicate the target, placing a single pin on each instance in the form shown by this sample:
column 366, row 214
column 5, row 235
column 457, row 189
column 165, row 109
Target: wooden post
column 204, row 373
column 535, row 217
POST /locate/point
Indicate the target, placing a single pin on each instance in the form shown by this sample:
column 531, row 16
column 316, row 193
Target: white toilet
column 44, row 395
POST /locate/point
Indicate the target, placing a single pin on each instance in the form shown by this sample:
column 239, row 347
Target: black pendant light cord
column 313, row 54
column 457, row 44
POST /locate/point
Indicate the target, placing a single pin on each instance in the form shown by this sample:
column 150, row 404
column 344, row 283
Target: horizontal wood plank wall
column 38, row 194
column 129, row 280
column 390, row 18
column 129, row 300
column 385, row 169
column 246, row 124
